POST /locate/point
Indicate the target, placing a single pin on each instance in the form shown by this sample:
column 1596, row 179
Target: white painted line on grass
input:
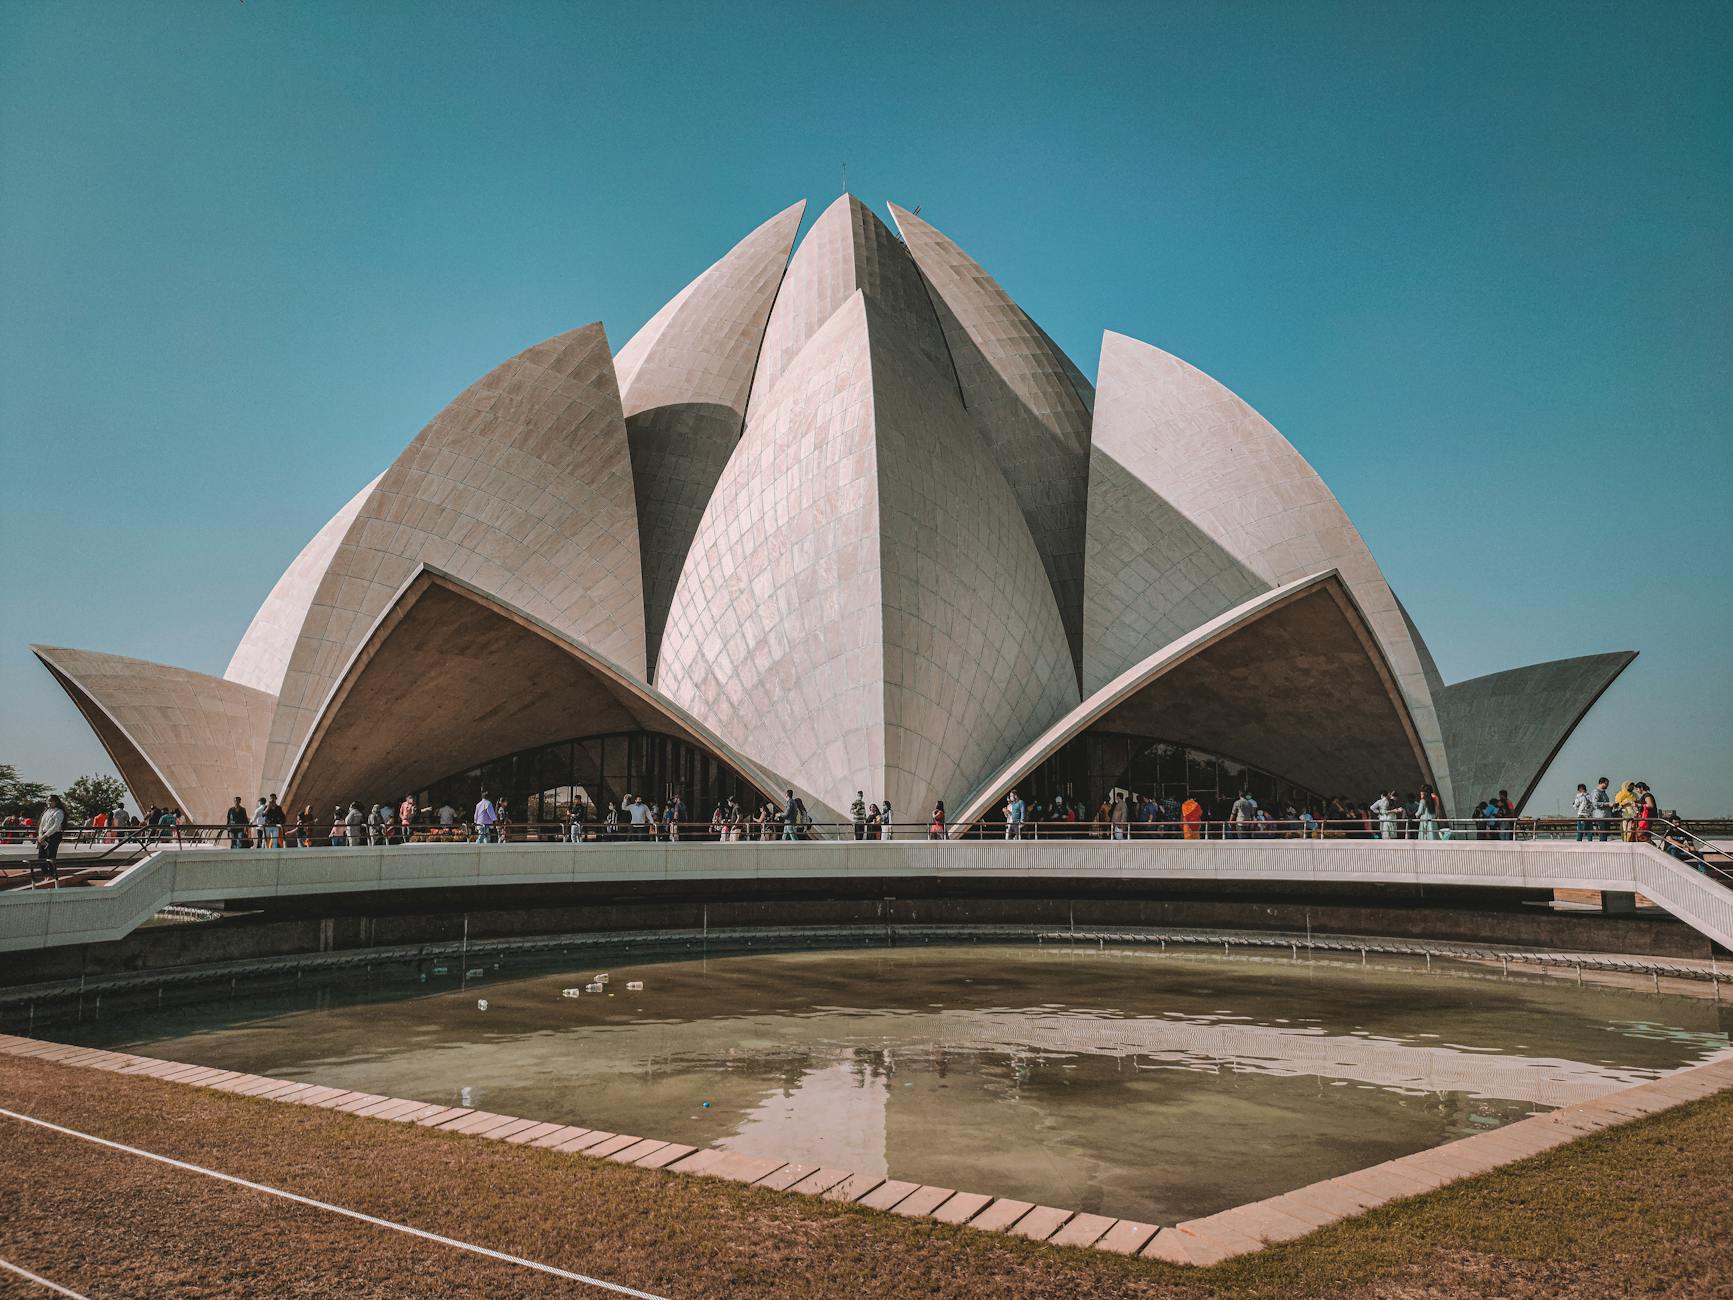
column 521, row 1262
column 28, row 1276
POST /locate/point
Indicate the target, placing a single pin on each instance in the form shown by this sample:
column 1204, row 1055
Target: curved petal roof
column 1505, row 729
column 522, row 486
column 262, row 657
column 444, row 639
column 846, row 612
column 848, row 248
column 1196, row 502
column 1029, row 402
column 1291, row 680
column 684, row 380
column 180, row 739
column 866, row 523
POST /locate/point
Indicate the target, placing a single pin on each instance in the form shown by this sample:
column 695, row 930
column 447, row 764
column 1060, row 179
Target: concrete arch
column 1293, row 681
column 262, row 657
column 451, row 675
column 180, row 739
column 846, row 612
column 1197, row 503
column 1031, row 405
column 521, row 486
column 1505, row 729
column 847, row 249
column 684, row 380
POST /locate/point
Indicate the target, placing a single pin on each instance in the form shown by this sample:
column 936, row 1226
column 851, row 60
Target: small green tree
column 93, row 794
column 20, row 798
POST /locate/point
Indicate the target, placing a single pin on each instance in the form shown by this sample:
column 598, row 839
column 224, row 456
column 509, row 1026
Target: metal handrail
column 324, row 833
column 1680, row 841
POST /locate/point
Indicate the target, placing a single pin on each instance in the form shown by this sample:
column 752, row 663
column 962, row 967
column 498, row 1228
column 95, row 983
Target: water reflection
column 1153, row 1087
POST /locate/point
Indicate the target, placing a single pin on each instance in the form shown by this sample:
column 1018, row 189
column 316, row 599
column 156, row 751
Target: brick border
column 1204, row 1241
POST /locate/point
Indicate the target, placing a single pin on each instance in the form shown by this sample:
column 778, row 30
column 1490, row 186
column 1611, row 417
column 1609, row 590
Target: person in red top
column 1648, row 812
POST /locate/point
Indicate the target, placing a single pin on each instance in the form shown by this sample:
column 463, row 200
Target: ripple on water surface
column 1117, row 1081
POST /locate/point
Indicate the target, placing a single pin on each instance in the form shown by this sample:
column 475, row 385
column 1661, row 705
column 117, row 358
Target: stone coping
column 1203, row 1241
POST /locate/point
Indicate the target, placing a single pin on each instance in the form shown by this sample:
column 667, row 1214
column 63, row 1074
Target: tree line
column 84, row 798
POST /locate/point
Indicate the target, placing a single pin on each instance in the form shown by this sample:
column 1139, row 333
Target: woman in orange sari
column 1191, row 813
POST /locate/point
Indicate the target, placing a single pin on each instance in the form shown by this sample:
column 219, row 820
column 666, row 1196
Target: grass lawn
column 1640, row 1208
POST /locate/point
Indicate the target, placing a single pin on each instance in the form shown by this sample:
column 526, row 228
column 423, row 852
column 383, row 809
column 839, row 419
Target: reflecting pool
column 1120, row 1081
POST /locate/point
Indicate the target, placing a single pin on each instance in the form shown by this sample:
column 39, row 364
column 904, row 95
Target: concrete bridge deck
column 40, row 919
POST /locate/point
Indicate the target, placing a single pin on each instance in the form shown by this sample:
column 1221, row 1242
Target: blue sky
column 1474, row 260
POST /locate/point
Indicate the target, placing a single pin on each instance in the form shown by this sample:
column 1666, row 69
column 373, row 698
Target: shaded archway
column 450, row 677
column 1292, row 681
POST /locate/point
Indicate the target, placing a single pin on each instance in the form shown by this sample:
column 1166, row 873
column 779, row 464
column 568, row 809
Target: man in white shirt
column 1384, row 809
column 639, row 811
column 485, row 817
column 49, row 829
column 1245, row 812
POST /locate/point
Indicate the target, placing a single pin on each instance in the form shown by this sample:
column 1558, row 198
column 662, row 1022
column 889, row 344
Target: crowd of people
column 1633, row 806
column 1631, row 812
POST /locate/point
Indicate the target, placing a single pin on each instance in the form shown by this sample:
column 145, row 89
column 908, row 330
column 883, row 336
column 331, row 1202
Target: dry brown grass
column 1640, row 1208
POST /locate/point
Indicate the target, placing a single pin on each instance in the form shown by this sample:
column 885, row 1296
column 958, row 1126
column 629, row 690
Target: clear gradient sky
column 1474, row 260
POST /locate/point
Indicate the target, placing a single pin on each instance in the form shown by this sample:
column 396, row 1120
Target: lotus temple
column 839, row 517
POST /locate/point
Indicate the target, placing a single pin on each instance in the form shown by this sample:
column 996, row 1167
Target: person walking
column 237, row 821
column 1506, row 816
column 355, row 826
column 49, row 830
column 376, row 824
column 639, row 814
column 259, row 824
column 274, row 819
column 936, row 825
column 1191, row 819
column 792, row 810
column 857, row 812
column 1625, row 801
column 1648, row 812
column 484, row 819
column 886, row 827
column 575, row 822
column 675, row 813
column 1428, row 812
column 1384, row 809
column 1602, row 799
column 1119, row 816
column 1584, row 805
column 1245, row 811
column 1016, row 813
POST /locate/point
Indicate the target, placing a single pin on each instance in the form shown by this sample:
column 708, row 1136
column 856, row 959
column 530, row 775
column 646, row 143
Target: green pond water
column 1117, row 1081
